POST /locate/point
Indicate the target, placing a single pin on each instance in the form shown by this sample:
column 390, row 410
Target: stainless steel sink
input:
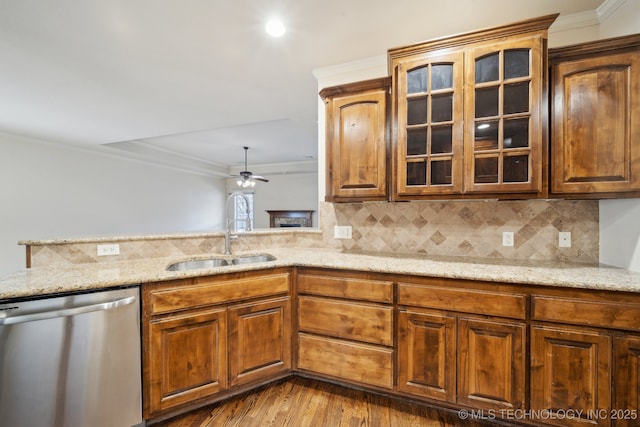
column 220, row 262
column 198, row 263
column 250, row 259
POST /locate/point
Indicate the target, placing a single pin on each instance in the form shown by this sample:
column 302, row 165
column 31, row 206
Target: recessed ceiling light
column 275, row 28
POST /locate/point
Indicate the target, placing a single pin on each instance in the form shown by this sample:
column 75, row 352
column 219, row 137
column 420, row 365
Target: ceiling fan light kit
column 247, row 179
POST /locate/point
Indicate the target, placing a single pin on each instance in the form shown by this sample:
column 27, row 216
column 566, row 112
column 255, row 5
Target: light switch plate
column 342, row 232
column 564, row 239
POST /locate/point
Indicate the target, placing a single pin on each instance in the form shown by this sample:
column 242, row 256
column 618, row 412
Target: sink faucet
column 228, row 221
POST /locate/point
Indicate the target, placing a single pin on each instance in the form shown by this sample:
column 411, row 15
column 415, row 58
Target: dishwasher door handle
column 66, row 312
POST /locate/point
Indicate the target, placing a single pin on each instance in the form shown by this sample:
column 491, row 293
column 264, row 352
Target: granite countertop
column 52, row 280
column 169, row 236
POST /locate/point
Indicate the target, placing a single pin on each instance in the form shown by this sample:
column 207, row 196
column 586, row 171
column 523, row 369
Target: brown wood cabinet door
column 570, row 370
column 626, row 380
column 595, row 139
column 187, row 358
column 505, row 110
column 427, row 354
column 429, row 125
column 259, row 340
column 356, row 142
column 491, row 363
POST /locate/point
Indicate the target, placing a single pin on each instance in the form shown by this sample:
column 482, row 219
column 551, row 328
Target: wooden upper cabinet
column 356, row 140
column 505, row 130
column 595, row 128
column 429, row 125
column 469, row 114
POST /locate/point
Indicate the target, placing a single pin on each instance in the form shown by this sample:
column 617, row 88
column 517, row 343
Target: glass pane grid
column 502, row 138
column 429, row 125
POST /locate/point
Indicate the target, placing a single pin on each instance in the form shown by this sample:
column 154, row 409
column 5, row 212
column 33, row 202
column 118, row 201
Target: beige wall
column 620, row 219
column 55, row 191
column 283, row 192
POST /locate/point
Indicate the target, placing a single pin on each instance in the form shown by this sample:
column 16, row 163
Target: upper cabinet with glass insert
column 429, row 124
column 469, row 114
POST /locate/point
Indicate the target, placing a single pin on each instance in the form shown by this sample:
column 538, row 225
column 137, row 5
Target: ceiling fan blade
column 246, row 175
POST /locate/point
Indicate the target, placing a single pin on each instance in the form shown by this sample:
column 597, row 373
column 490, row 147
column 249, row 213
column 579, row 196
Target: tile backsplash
column 441, row 228
column 131, row 248
column 468, row 228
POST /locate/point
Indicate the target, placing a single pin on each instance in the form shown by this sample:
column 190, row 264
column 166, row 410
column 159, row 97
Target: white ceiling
column 199, row 79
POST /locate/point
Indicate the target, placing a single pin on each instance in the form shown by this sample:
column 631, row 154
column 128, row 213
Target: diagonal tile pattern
column 469, row 228
column 447, row 228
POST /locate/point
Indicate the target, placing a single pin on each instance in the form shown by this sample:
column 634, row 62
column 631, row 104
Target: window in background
column 240, row 212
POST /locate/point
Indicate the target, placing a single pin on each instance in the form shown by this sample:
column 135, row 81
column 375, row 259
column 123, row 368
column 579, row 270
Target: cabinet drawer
column 344, row 319
column 346, row 287
column 606, row 314
column 209, row 290
column 362, row 363
column 490, row 303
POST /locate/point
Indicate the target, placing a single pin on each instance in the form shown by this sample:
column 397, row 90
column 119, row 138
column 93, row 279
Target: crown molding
column 146, row 152
column 587, row 18
column 607, row 8
column 364, row 64
column 575, row 20
column 286, row 168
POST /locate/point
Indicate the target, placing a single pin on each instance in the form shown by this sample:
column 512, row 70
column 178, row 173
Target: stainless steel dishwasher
column 71, row 360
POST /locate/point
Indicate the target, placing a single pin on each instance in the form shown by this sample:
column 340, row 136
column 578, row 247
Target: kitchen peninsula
column 592, row 312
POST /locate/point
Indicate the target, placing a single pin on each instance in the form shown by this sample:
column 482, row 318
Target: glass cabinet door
column 430, row 126
column 503, row 151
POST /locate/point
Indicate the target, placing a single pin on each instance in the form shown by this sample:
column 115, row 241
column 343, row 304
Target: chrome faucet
column 228, row 221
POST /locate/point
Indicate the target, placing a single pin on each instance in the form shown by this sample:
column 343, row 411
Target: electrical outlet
column 342, row 232
column 507, row 238
column 564, row 239
column 111, row 249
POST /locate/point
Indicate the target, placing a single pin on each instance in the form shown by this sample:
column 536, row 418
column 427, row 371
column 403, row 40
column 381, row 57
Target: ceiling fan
column 247, row 178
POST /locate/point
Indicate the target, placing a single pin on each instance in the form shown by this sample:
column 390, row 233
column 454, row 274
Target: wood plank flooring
column 300, row 402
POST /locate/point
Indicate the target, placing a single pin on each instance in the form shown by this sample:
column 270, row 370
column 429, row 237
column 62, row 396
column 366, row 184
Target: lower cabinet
column 188, row 357
column 528, row 354
column 463, row 345
column 259, row 340
column 491, row 363
column 571, row 370
column 346, row 360
column 585, row 358
column 460, row 359
column 205, row 336
column 626, row 378
column 427, row 354
column 345, row 327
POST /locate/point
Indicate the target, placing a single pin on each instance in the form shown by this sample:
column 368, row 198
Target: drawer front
column 346, row 287
column 361, row 363
column 207, row 291
column 343, row 319
column 464, row 300
column 606, row 314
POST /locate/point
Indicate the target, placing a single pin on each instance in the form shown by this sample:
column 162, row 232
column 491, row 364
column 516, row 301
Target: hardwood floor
column 300, row 402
